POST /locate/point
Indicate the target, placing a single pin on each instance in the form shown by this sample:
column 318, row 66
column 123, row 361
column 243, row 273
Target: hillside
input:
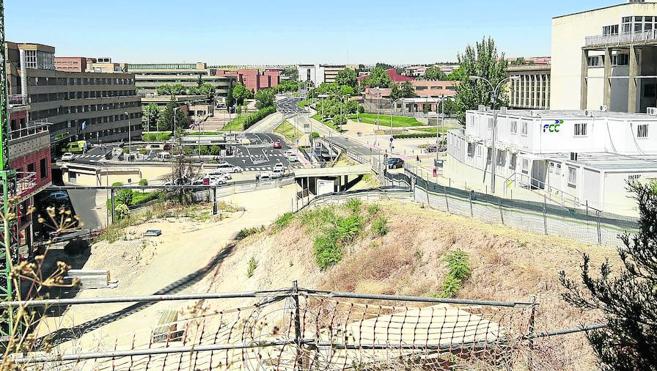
column 409, row 259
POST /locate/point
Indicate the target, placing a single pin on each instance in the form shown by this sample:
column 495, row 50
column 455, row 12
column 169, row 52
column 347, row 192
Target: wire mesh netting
column 313, row 330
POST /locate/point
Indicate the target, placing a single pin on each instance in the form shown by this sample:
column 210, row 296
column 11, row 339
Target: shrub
column 414, row 136
column 458, row 265
column 246, row 232
column 373, row 209
column 122, row 211
column 314, row 135
column 283, row 220
column 348, row 228
column 215, row 150
column 117, row 184
column 327, row 250
column 143, row 182
column 316, row 218
column 124, row 197
column 250, row 269
column 380, row 226
column 354, row 204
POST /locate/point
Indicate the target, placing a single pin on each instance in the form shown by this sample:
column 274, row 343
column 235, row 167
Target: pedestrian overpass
column 320, row 181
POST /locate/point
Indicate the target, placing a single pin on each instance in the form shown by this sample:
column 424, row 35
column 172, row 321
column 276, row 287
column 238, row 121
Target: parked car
column 221, row 172
column 58, row 196
column 395, row 163
column 68, row 156
column 277, row 144
column 230, row 168
column 214, row 180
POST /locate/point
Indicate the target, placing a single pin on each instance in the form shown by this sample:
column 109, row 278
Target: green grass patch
column 283, row 221
column 386, row 120
column 156, row 136
column 289, row 131
column 380, row 226
column 250, row 269
column 246, row 232
column 413, row 135
column 191, row 133
column 305, row 103
column 245, row 121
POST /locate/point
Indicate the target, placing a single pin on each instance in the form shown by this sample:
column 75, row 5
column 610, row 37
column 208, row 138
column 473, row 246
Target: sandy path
column 185, row 248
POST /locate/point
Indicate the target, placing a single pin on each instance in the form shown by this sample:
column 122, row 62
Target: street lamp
column 495, row 92
column 129, row 131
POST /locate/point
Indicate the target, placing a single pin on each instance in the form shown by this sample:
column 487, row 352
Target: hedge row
column 156, row 136
column 414, row 136
column 244, row 122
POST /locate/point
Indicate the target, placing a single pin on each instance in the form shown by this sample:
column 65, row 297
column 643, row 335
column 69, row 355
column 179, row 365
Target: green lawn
column 385, row 120
column 289, row 131
column 236, row 124
column 330, row 124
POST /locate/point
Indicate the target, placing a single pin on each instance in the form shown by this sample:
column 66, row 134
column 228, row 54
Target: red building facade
column 254, row 79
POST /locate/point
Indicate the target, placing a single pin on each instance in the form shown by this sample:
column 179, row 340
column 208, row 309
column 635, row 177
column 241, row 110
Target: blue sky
column 285, row 31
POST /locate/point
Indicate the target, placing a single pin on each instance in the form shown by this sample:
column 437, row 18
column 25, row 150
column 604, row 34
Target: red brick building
column 254, row 79
column 71, row 64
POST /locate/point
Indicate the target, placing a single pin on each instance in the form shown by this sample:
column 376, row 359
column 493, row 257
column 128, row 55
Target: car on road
column 277, row 173
column 277, row 144
column 214, row 180
column 228, row 167
column 279, row 167
column 264, row 176
column 58, row 196
column 395, row 163
column 68, row 156
column 291, row 156
column 221, row 172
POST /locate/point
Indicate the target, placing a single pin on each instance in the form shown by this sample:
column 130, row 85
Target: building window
column 523, row 130
column 642, row 131
column 580, row 130
column 514, row 127
column 649, row 91
column 525, row 166
column 627, row 25
column 30, row 168
column 471, row 149
column 596, row 61
column 43, row 168
column 620, row 59
column 572, row 176
column 501, row 157
column 512, row 162
column 611, row 30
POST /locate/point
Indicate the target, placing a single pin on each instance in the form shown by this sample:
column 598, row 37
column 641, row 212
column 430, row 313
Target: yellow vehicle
column 76, row 147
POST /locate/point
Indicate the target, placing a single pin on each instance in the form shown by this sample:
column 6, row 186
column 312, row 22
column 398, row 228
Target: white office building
column 571, row 157
column 606, row 58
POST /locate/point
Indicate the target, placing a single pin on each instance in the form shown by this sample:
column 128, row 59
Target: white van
column 164, row 156
column 155, row 147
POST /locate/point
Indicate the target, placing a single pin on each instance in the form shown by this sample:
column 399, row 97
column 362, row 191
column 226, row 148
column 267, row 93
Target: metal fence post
column 501, row 212
column 587, row 207
column 597, row 214
column 297, row 325
column 532, row 329
column 446, row 198
column 112, row 203
column 545, row 228
column 214, row 201
column 471, row 211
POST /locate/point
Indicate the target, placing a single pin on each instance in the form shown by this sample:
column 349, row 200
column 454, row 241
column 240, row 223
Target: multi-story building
column 606, row 58
column 71, row 64
column 321, row 73
column 103, row 64
column 148, row 77
column 29, row 156
column 575, row 157
column 78, row 105
column 252, row 78
column 530, row 86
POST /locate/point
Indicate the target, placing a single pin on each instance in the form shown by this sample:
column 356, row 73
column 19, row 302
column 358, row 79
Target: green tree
column 265, row 98
column 241, row 93
column 290, row 73
column 405, row 90
column 165, row 120
column 150, row 116
column 628, row 299
column 347, row 77
column 378, row 78
column 434, row 73
column 456, row 75
column 484, row 61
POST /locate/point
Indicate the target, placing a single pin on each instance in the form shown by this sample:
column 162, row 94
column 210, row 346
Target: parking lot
column 259, row 155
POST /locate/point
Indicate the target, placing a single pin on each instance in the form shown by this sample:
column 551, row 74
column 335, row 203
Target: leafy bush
column 283, row 220
column 327, row 250
column 124, row 197
column 122, row 211
column 246, row 232
column 244, row 122
column 349, row 228
column 316, row 218
column 117, row 184
column 156, row 136
column 413, row 136
column 458, row 265
column 215, row 150
column 252, row 265
column 143, row 182
column 314, row 135
column 373, row 209
column 380, row 226
column 354, row 204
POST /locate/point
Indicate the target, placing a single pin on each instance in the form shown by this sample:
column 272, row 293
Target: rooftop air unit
column 652, row 111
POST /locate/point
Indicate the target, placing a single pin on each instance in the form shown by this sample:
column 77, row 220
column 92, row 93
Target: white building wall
column 568, row 38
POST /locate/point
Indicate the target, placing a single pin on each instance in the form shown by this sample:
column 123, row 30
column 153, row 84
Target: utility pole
column 8, row 178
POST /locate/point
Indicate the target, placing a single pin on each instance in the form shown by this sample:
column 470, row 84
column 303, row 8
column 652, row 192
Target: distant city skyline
column 290, row 32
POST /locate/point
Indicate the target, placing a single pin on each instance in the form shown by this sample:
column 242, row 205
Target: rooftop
column 608, row 161
column 569, row 114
